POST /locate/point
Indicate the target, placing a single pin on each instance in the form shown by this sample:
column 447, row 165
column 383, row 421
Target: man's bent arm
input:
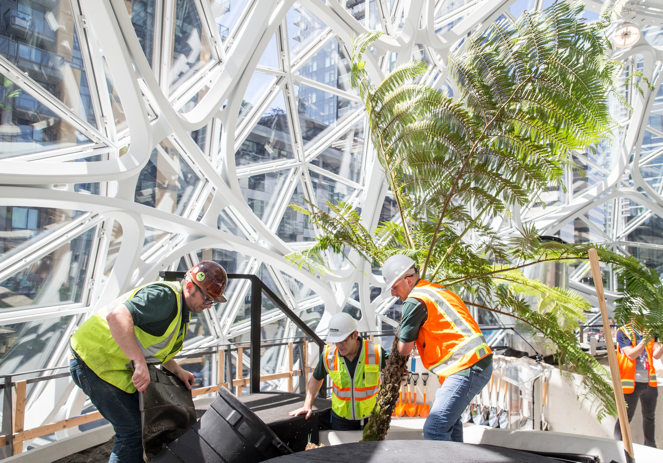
column 404, row 348
column 657, row 351
column 122, row 329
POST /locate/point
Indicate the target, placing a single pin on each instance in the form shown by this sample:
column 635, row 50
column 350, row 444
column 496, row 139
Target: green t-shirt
column 320, row 372
column 153, row 309
column 414, row 314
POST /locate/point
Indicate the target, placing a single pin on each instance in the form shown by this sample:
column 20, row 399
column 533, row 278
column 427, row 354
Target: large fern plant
column 528, row 94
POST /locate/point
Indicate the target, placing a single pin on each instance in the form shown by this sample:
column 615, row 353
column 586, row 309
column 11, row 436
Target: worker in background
column 449, row 342
column 354, row 366
column 636, row 351
column 148, row 325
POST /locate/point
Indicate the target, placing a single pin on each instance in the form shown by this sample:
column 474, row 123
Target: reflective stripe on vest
column 95, row 345
column 475, row 343
column 449, row 340
column 457, row 322
column 354, row 398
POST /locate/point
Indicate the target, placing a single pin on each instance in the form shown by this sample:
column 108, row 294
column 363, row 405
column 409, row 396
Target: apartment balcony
column 22, row 25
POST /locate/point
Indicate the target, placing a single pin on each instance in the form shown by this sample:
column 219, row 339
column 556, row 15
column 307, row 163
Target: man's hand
column 141, row 376
column 186, row 377
column 301, row 411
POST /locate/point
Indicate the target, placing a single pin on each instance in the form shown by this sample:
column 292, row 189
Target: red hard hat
column 211, row 279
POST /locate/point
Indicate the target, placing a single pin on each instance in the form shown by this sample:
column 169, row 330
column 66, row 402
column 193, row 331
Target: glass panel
column 28, row 126
column 357, row 9
column 449, row 6
column 167, row 182
column 265, row 275
column 87, row 188
column 354, row 294
column 327, row 189
column 329, row 66
column 389, row 209
column 226, row 14
column 298, row 289
column 55, row 279
column 374, row 17
column 114, row 247
column 627, row 212
column 263, row 191
column 303, row 28
column 30, row 345
column 41, row 39
column 344, row 156
column 21, row 227
column 270, row 138
column 650, row 142
column 355, row 312
column 653, row 35
column 255, row 92
column 311, row 317
column 152, row 236
column 649, row 257
column 585, row 176
column 271, row 332
column 119, row 116
column 200, row 138
column 226, row 224
column 598, row 215
column 270, row 56
column 142, row 18
column 520, row 6
column 294, row 225
column 577, row 231
column 191, row 49
column 320, row 112
column 650, row 231
column 652, row 172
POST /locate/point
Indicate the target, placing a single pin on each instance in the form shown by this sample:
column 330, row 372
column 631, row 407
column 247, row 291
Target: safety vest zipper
column 352, row 390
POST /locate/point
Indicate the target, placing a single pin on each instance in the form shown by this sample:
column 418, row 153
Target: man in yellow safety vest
column 449, row 342
column 110, row 351
column 354, row 365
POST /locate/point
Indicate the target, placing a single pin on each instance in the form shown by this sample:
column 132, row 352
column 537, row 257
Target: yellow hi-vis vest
column 95, row 345
column 354, row 400
column 627, row 366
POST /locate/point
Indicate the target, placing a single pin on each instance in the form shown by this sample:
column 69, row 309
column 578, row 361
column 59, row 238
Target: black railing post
column 7, row 418
column 256, row 312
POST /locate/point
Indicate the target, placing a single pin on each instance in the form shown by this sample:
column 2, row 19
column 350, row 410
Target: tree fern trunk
column 378, row 422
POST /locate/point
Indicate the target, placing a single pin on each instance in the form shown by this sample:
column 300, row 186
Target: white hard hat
column 341, row 326
column 394, row 268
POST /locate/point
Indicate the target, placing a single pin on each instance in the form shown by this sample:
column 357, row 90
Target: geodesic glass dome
column 141, row 136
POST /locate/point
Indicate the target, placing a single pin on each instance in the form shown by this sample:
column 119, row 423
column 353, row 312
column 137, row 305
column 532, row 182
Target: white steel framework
column 138, row 136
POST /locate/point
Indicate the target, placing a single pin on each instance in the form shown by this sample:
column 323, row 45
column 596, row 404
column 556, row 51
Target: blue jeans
column 118, row 407
column 455, row 394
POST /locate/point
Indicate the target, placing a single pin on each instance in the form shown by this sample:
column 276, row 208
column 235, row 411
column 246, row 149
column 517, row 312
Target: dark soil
column 97, row 454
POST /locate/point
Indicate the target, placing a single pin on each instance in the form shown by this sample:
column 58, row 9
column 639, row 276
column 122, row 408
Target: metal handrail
column 258, row 287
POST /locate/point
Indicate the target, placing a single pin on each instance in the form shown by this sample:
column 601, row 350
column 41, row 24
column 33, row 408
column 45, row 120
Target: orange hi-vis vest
column 627, row 366
column 354, row 398
column 450, row 339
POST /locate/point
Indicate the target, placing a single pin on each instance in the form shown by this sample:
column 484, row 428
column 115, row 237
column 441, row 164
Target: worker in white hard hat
column 354, row 365
column 448, row 340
